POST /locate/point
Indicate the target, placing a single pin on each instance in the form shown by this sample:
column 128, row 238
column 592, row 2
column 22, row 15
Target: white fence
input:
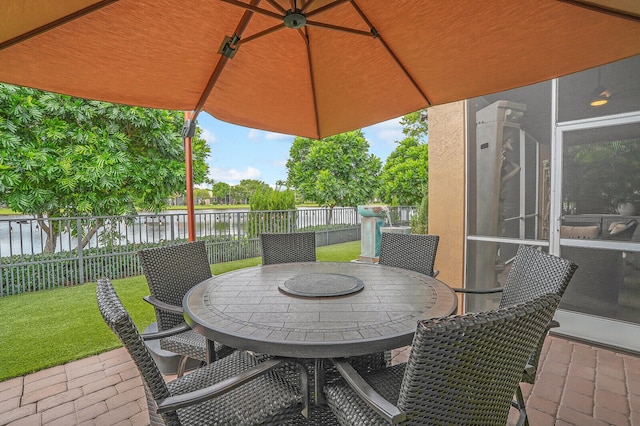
column 27, row 265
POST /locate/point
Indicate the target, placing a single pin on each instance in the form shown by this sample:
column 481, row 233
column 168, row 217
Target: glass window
column 509, row 155
column 601, row 182
column 606, row 283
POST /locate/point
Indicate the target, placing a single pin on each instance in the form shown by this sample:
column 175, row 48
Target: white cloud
column 253, row 135
column 208, row 136
column 280, row 163
column 389, row 132
column 234, row 176
column 272, row 136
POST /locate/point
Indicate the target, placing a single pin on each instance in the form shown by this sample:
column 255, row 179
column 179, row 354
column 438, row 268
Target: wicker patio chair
column 235, row 390
column 532, row 274
column 462, row 370
column 170, row 272
column 416, row 252
column 289, row 247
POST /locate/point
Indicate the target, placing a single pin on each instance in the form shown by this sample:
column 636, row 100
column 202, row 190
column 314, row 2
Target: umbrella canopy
column 308, row 68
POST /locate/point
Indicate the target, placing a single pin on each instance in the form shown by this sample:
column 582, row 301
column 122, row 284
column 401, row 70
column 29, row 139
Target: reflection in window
column 509, row 175
column 601, row 183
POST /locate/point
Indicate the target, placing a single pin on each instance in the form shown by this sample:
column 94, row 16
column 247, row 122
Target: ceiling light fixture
column 600, row 95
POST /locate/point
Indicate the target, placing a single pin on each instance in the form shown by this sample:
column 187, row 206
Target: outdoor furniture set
column 319, row 329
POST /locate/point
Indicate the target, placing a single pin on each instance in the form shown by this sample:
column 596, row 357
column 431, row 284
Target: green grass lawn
column 43, row 329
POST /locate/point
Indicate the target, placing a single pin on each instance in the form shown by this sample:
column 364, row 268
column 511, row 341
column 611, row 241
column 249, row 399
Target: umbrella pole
column 187, row 134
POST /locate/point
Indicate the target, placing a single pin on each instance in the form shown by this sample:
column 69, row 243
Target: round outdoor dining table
column 316, row 309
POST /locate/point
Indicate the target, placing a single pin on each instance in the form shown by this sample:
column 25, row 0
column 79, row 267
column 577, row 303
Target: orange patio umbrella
column 308, row 68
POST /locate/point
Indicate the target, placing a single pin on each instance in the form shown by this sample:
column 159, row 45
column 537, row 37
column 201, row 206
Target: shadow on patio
column 578, row 384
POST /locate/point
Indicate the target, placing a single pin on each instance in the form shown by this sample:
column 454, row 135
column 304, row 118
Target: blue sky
column 241, row 153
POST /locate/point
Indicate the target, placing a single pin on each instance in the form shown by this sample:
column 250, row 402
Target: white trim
column 555, row 196
column 600, row 244
column 601, row 121
column 541, row 243
column 599, row 330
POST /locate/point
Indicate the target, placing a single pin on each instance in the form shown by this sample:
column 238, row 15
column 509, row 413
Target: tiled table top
column 246, row 309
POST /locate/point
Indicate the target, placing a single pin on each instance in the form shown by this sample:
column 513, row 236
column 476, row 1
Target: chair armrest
column 181, row 328
column 478, row 291
column 161, row 305
column 175, row 402
column 373, row 399
column 532, row 369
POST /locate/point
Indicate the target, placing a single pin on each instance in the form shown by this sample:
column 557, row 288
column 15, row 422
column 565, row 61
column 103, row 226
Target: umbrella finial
column 295, row 19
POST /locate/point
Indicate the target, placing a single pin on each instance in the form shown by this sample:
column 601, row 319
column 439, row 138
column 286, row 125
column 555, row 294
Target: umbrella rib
column 338, row 28
column 215, row 75
column 305, row 38
column 53, row 24
column 602, row 9
column 306, row 5
column 261, row 34
column 313, row 86
column 277, row 6
column 391, row 53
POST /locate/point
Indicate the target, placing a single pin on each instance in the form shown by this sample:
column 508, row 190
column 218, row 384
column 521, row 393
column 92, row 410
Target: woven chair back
column 415, row 252
column 171, row 271
column 535, row 273
column 288, row 247
column 118, row 319
column 532, row 274
column 465, row 369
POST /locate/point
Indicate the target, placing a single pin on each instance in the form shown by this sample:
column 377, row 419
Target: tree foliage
column 335, row 171
column 272, row 210
column 405, row 175
column 600, row 176
column 415, row 125
column 419, row 222
column 221, row 190
column 246, row 188
column 62, row 156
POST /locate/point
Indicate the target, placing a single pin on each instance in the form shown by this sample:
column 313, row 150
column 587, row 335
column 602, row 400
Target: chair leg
column 182, row 364
column 519, row 404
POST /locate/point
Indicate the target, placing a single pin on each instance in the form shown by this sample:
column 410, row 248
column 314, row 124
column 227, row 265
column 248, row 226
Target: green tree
column 246, row 188
column 419, row 222
column 335, row 171
column 221, row 190
column 62, row 156
column 272, row 210
column 201, row 194
column 415, row 125
column 405, row 175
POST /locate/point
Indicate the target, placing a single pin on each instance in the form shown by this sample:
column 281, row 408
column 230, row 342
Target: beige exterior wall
column 447, row 153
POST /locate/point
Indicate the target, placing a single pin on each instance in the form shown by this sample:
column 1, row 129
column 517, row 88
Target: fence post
column 173, row 232
column 326, row 225
column 80, row 259
column 238, row 232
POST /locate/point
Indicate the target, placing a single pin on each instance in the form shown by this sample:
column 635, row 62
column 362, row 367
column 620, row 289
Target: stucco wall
column 446, row 189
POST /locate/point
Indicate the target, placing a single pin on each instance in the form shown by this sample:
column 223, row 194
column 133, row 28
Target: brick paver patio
column 578, row 384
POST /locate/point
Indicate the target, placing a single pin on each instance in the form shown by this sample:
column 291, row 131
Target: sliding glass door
column 557, row 165
column 599, row 198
